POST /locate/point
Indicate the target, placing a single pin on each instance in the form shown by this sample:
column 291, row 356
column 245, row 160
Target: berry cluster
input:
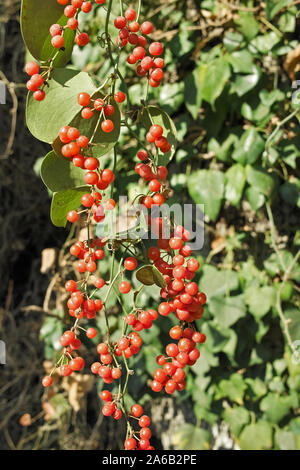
column 101, row 105
column 36, row 81
column 172, row 376
column 71, row 12
column 171, row 255
column 151, row 64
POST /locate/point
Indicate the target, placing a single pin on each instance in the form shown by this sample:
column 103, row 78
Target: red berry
column 130, row 263
column 120, row 96
column 83, row 99
column 156, row 48
column 72, row 216
column 136, row 410
column 47, row 381
column 32, row 68
column 107, row 125
column 124, row 287
column 146, row 27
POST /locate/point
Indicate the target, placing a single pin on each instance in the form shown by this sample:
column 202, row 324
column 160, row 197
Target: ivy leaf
column 290, row 192
column 249, row 147
column 262, row 180
column 274, row 6
column 216, row 77
column 207, row 187
column 260, row 300
column 257, row 436
column 193, row 86
column 247, row 24
column 244, row 83
column 192, row 438
column 59, row 108
column 58, row 173
column 255, row 198
column 153, row 115
column 216, row 283
column 236, row 418
column 227, row 310
column 276, row 407
column 235, row 182
column 63, row 202
column 233, row 389
column 36, row 18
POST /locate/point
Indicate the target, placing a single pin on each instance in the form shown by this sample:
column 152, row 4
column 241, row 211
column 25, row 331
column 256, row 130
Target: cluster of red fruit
column 136, row 439
column 36, row 80
column 155, row 135
column 172, row 376
column 101, row 105
column 88, row 255
column 79, row 304
column 150, row 65
column 70, row 342
column 71, row 12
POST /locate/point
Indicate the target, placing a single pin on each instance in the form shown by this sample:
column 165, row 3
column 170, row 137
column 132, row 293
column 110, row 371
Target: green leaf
column 216, row 77
column 59, row 173
column 232, row 40
column 153, row 115
column 103, row 141
column 158, row 278
column 36, row 18
column 249, row 147
column 244, row 83
column 236, row 418
column 145, row 275
column 227, row 310
column 193, row 86
column 257, row 436
column 171, row 96
column 223, row 150
column 191, row 438
column 207, row 187
column 247, row 25
column 233, row 389
column 264, row 43
column 59, row 108
column 260, row 300
column 235, row 182
column 257, row 388
column 276, row 407
column 290, row 192
column 255, row 198
column 215, row 282
column 293, row 317
column 286, row 440
column 262, row 180
column 63, row 202
column 274, row 6
column 287, row 22
column 241, row 61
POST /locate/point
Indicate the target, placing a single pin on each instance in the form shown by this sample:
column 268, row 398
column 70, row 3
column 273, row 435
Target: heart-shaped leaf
column 58, row 173
column 63, row 202
column 59, row 108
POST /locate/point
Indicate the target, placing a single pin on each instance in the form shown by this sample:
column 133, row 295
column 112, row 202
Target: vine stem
column 285, row 321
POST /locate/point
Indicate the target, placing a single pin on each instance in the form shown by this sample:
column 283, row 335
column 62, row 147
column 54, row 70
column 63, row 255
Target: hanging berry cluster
column 168, row 262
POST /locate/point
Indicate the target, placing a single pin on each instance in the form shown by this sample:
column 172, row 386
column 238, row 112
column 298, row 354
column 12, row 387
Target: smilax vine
column 82, row 123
